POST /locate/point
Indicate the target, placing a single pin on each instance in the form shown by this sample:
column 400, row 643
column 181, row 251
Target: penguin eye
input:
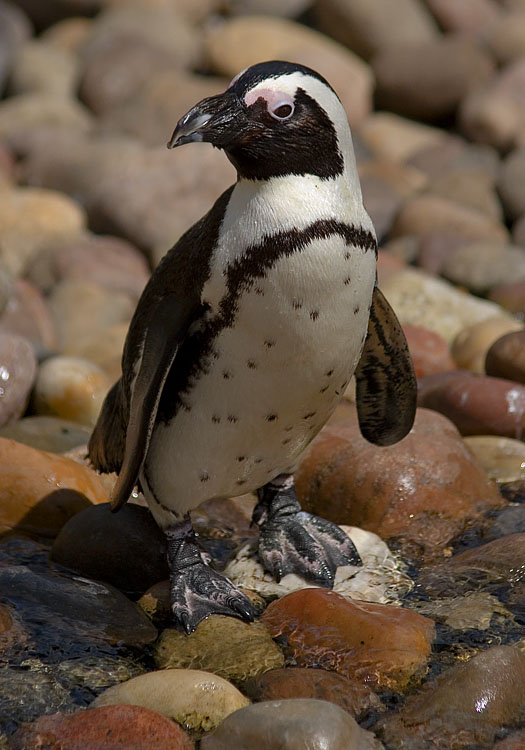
column 282, row 111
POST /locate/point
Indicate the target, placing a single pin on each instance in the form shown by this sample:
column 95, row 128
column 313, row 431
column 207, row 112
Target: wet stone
column 503, row 458
column 506, row 357
column 472, row 611
column 47, row 433
column 226, row 646
column 18, row 368
column 126, row 550
column 379, row 644
column 303, row 722
column 198, row 701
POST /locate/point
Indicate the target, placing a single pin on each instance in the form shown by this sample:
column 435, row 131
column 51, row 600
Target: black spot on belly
column 356, row 309
column 268, row 344
column 271, row 417
column 323, row 390
column 286, row 441
column 329, row 373
column 347, row 280
column 259, row 291
column 314, row 314
column 216, row 419
column 252, row 364
column 241, row 458
column 297, row 304
column 204, row 476
column 240, row 482
column 310, row 415
column 232, row 418
column 257, row 460
column 227, row 374
column 348, row 255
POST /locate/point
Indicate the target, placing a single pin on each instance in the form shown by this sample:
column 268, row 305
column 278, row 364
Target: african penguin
column 248, row 333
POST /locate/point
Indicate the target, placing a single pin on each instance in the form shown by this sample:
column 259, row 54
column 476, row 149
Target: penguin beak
column 215, row 120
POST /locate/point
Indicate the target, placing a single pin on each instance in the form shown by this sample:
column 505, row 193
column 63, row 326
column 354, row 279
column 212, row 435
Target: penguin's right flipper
column 386, row 387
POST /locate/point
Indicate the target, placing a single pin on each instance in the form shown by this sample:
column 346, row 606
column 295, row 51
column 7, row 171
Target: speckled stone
column 228, row 647
column 197, row 700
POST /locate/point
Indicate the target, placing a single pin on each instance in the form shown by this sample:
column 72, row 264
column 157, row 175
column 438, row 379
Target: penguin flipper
column 166, row 329
column 386, row 391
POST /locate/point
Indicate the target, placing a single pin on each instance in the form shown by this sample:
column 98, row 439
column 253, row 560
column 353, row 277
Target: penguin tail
column 107, row 441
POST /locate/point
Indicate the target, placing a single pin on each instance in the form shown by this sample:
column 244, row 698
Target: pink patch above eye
column 273, row 99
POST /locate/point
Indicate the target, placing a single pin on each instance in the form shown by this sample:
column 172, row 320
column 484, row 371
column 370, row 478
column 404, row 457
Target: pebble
column 380, row 579
column 511, row 297
column 422, row 299
column 465, row 706
column 468, row 16
column 514, row 741
column 40, row 67
column 111, row 727
column 228, row 647
column 390, row 136
column 435, row 247
column 15, row 28
column 288, row 8
column 71, row 388
column 502, row 458
column 472, row 611
column 293, row 724
column 429, row 351
column 381, row 645
column 40, row 491
column 470, row 187
column 69, row 34
column 353, row 696
column 454, row 154
column 478, row 405
column 471, row 345
column 127, row 550
column 31, row 219
column 18, row 367
column 510, row 183
column 420, row 491
column 90, row 608
column 47, row 433
column 245, row 40
column 367, row 28
column 197, row 700
column 27, row 314
column 104, row 350
column 505, row 36
column 480, row 265
column 506, row 357
column 426, row 80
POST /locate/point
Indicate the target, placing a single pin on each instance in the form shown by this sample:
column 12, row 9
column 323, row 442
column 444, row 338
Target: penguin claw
column 198, row 591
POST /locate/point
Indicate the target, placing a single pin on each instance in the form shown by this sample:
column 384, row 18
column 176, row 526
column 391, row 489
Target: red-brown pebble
column 107, row 727
column 429, row 351
column 477, row 405
column 506, row 357
column 382, row 645
column 421, row 490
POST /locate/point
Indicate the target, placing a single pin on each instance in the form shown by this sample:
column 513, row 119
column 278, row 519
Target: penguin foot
column 196, row 589
column 293, row 541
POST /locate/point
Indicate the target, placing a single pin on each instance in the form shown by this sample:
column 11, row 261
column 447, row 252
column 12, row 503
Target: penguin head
column 274, row 119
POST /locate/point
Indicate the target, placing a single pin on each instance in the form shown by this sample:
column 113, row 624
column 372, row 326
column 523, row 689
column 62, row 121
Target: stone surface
column 478, row 405
column 390, row 136
column 502, row 458
column 89, row 607
column 382, row 645
column 426, row 80
column 369, row 27
column 71, row 388
column 40, row 491
column 506, row 357
column 127, row 549
column 197, row 700
column 472, row 343
column 18, row 368
column 421, row 490
column 470, row 187
column 471, row 611
column 465, row 706
column 15, row 27
column 424, row 300
column 514, row 741
column 468, row 16
column 291, row 724
column 47, row 433
column 510, row 183
column 245, row 40
column 40, row 67
column 27, row 314
column 429, row 351
column 480, row 265
column 300, row 682
column 226, row 646
column 511, row 297
column 110, row 727
column 505, row 36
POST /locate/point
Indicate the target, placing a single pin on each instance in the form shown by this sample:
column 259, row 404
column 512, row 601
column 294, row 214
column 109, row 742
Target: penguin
column 247, row 334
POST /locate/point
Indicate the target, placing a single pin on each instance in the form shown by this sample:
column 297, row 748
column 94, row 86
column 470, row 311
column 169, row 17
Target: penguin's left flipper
column 293, row 541
column 386, row 387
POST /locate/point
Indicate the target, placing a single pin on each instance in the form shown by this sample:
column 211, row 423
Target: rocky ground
column 424, row 646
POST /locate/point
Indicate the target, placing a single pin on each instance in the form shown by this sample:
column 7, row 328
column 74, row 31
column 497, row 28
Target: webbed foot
column 293, row 541
column 196, row 589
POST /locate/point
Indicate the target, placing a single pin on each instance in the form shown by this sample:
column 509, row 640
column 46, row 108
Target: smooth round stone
column 471, row 345
column 42, row 67
column 91, row 608
column 69, row 34
column 197, row 700
column 464, row 706
column 390, row 136
column 481, row 265
column 505, row 36
column 506, row 357
column 511, row 297
column 429, row 351
column 292, row 724
column 502, row 458
column 427, row 80
column 33, row 218
column 127, row 726
column 299, row 682
column 453, row 154
column 433, row 303
column 127, row 550
column 472, row 611
column 368, row 27
column 381, row 202
column 436, row 247
column 104, row 349
column 478, row 405
column 379, row 644
column 228, row 647
column 470, row 187
column 15, row 27
column 468, row 16
column 510, row 183
column 40, row 491
column 245, row 40
column 379, row 579
column 70, row 388
column 47, row 433
column 18, row 367
column 421, row 490
column 27, row 314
